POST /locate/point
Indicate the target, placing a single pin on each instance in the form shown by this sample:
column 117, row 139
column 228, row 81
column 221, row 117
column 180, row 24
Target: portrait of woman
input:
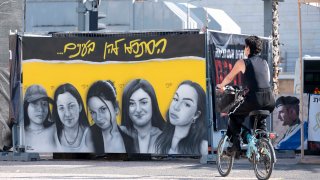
column 141, row 117
column 103, row 108
column 185, row 131
column 38, row 125
column 73, row 132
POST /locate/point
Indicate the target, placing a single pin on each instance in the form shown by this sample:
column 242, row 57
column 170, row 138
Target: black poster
column 225, row 50
column 121, row 47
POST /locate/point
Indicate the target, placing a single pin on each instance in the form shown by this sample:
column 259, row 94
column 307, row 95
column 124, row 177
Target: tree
column 275, row 45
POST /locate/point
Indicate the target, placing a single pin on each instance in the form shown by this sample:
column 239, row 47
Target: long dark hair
column 197, row 133
column 105, row 91
column 83, row 120
column 156, row 119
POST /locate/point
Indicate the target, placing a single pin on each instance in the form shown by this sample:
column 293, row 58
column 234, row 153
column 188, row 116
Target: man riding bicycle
column 256, row 76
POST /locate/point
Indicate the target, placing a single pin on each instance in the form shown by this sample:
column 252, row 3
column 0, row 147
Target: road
column 176, row 168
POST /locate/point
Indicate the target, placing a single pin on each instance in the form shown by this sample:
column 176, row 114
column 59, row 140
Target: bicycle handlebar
column 231, row 89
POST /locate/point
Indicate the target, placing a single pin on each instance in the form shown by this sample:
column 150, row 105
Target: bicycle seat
column 261, row 113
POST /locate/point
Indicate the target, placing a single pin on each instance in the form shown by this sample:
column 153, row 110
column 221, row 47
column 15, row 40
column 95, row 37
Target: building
column 233, row 16
column 11, row 18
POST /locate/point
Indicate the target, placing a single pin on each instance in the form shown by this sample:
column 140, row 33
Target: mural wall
column 287, row 124
column 115, row 93
column 314, row 123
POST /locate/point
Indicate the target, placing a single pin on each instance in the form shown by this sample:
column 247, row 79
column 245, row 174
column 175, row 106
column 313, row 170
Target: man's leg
column 262, row 124
column 235, row 125
column 237, row 119
column 235, row 129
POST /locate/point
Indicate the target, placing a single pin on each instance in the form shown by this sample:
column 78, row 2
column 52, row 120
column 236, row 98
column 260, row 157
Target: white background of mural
column 314, row 118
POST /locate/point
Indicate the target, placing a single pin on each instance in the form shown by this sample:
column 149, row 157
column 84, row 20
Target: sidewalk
column 310, row 159
column 168, row 168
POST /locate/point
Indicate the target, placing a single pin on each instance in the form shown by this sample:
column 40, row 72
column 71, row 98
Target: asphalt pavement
column 167, row 168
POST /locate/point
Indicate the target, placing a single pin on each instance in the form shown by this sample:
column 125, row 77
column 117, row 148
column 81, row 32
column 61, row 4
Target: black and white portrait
column 104, row 109
column 141, row 117
column 73, row 132
column 185, row 131
column 38, row 124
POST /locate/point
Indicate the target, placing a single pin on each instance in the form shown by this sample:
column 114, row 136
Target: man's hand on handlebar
column 223, row 114
column 220, row 87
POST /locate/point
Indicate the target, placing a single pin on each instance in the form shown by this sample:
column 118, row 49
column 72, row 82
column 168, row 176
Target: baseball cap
column 36, row 92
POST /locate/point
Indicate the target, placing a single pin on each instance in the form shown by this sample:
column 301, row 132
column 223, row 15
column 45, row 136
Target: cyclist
column 256, row 77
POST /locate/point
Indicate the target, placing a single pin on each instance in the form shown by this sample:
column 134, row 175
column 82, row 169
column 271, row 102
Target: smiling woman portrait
column 73, row 132
column 141, row 117
column 185, row 131
column 103, row 108
column 38, row 126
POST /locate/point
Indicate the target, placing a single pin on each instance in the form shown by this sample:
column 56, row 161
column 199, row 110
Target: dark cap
column 36, row 92
column 287, row 100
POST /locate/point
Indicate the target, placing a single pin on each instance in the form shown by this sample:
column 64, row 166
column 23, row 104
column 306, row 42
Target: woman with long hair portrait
column 103, row 108
column 73, row 132
column 38, row 125
column 185, row 131
column 141, row 117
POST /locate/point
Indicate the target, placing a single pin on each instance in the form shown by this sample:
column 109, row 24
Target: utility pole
column 81, row 16
column 92, row 7
column 93, row 14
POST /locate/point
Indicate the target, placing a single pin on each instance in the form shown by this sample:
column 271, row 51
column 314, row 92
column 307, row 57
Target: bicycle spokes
column 263, row 161
column 224, row 161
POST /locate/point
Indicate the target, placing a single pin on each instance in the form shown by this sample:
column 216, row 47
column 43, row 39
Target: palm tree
column 275, row 45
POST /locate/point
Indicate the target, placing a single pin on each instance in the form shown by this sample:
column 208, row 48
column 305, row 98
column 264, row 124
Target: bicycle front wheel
column 264, row 162
column 224, row 161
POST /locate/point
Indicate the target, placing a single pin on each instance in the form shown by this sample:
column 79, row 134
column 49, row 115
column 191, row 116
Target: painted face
column 68, row 109
column 283, row 115
column 102, row 112
column 140, row 108
column 183, row 107
column 38, row 111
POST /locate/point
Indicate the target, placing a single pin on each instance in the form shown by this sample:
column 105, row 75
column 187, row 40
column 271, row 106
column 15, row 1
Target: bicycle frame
column 252, row 141
column 252, row 149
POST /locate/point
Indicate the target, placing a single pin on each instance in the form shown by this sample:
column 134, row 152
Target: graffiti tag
column 112, row 48
column 138, row 47
column 79, row 49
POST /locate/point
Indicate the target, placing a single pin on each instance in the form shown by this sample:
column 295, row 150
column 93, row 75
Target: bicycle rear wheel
column 224, row 161
column 264, row 162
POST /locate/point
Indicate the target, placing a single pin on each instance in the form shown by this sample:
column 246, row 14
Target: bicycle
column 260, row 151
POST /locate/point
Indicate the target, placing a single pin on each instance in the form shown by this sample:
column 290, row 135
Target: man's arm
column 238, row 67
